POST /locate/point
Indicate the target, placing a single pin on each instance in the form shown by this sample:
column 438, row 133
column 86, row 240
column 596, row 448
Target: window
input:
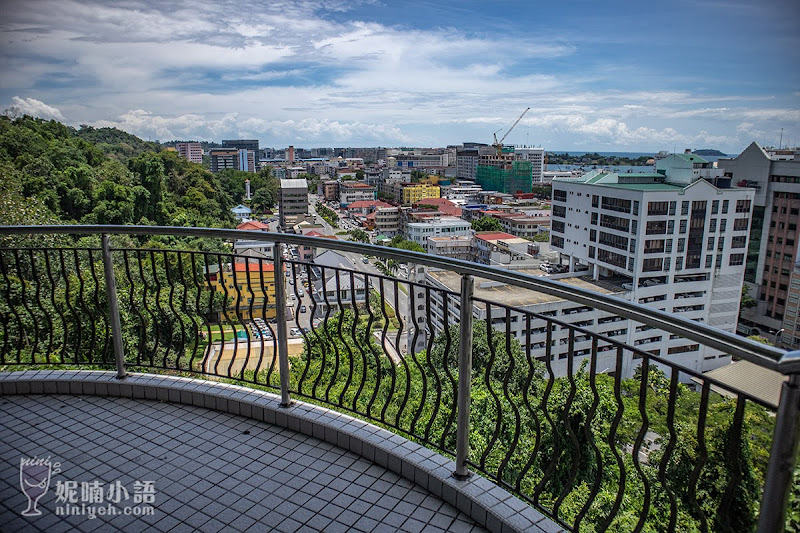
column 725, row 206
column 723, row 225
column 681, row 245
column 595, row 200
column 683, row 349
column 741, row 224
column 557, row 226
column 721, row 244
column 616, row 204
column 657, row 208
column 615, row 223
column 656, row 227
column 710, row 244
column 559, row 211
column 591, row 252
column 608, row 239
column 559, row 195
column 611, row 258
column 736, row 259
column 672, row 206
column 712, row 227
column 684, row 208
column 742, row 206
column 652, row 265
column 593, row 235
column 709, row 261
column 654, row 246
column 594, row 218
column 715, row 207
column 739, row 242
column 557, row 241
column 670, row 227
column 682, row 227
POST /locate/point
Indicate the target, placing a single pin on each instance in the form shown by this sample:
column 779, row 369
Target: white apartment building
column 442, row 227
column 422, row 160
column 456, row 247
column 536, row 157
column 679, row 247
column 462, row 193
column 354, row 191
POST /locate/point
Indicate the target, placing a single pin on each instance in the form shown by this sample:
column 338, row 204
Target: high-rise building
column 245, row 144
column 191, row 151
column 467, row 157
column 292, row 202
column 232, row 158
column 536, row 158
column 672, row 239
column 773, row 251
column 502, row 173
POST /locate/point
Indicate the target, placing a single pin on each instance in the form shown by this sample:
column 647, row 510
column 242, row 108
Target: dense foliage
column 596, row 159
column 487, row 224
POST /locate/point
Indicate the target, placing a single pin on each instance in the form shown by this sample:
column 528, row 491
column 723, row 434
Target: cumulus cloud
column 149, row 125
column 33, row 107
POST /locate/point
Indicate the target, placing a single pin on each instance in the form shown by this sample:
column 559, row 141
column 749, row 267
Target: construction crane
column 499, row 144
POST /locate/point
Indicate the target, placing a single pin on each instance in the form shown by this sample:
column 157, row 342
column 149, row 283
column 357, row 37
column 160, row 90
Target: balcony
column 469, row 417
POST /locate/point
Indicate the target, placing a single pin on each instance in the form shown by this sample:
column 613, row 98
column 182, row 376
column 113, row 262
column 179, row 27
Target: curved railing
column 557, row 412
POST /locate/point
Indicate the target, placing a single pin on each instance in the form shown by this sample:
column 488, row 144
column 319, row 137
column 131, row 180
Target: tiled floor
column 211, row 472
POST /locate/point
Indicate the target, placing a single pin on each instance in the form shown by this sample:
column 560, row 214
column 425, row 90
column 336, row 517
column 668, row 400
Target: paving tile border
column 489, row 505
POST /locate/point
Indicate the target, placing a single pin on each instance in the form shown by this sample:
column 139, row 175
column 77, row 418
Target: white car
column 627, row 286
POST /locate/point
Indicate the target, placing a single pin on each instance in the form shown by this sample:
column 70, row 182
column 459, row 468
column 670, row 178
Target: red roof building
column 253, row 225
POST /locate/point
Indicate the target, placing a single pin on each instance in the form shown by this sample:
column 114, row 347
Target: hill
column 709, row 151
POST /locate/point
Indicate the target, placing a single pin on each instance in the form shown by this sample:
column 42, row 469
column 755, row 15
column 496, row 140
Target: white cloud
column 33, row 107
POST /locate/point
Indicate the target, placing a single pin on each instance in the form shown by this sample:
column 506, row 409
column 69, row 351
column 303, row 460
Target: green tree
column 359, row 235
column 747, row 300
column 487, row 224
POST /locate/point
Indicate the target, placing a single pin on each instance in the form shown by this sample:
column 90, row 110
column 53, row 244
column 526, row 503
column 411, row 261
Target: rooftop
column 253, row 225
column 514, row 296
column 294, row 184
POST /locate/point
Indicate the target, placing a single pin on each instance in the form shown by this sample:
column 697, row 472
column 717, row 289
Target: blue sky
column 606, row 76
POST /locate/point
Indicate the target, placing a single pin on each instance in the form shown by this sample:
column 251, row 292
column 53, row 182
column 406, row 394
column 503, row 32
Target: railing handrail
column 729, row 343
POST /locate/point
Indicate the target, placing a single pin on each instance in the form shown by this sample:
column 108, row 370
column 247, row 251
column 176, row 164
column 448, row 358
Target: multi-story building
column 500, row 248
column 462, row 193
column 522, row 225
column 467, row 157
column 774, row 238
column 443, row 227
column 251, row 145
column 330, row 190
column 232, row 158
column 457, row 247
column 354, row 191
column 422, row 160
column 536, row 157
column 411, row 193
column 503, row 173
column 251, row 247
column 388, row 221
column 292, row 202
column 676, row 246
column 191, row 151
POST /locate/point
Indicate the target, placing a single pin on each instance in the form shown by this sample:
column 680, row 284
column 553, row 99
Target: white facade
column 462, row 194
column 536, row 157
column 678, row 248
column 443, row 227
column 354, row 192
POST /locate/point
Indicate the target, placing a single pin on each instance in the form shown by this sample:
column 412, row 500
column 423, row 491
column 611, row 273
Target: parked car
column 365, row 261
column 303, row 309
column 295, row 332
column 627, row 286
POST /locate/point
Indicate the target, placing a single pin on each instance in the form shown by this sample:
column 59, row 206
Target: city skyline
column 632, row 78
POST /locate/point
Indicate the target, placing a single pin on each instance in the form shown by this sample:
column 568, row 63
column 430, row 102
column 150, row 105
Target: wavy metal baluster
column 223, row 315
column 448, row 372
column 370, row 348
column 702, row 454
column 336, row 355
column 576, row 459
column 351, row 354
column 153, row 318
column 197, row 288
column 97, row 305
column 250, row 295
column 327, row 339
column 437, row 384
column 132, row 289
column 673, row 437
column 67, row 297
column 384, row 343
column 612, row 442
column 392, row 366
column 637, row 445
column 9, row 299
column 733, row 455
column 587, row 434
column 238, row 314
column 527, row 401
column 171, row 283
column 551, row 466
column 510, row 400
column 5, row 319
column 45, row 313
column 492, row 393
column 64, row 326
column 86, row 312
column 162, row 313
column 415, row 358
column 260, row 334
column 406, row 368
column 24, row 299
column 319, row 341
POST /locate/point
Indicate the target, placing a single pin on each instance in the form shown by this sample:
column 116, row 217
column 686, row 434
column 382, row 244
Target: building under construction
column 502, row 173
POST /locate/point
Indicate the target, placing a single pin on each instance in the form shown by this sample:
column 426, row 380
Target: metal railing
column 543, row 407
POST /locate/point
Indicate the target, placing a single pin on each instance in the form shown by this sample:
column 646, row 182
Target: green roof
column 643, row 186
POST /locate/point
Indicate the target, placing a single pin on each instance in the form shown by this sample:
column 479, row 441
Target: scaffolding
column 510, row 179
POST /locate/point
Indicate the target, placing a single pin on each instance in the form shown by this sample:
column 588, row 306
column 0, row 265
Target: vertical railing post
column 280, row 317
column 464, row 377
column 783, row 456
column 113, row 307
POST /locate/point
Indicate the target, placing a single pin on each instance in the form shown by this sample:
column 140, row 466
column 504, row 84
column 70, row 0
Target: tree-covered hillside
column 52, row 173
